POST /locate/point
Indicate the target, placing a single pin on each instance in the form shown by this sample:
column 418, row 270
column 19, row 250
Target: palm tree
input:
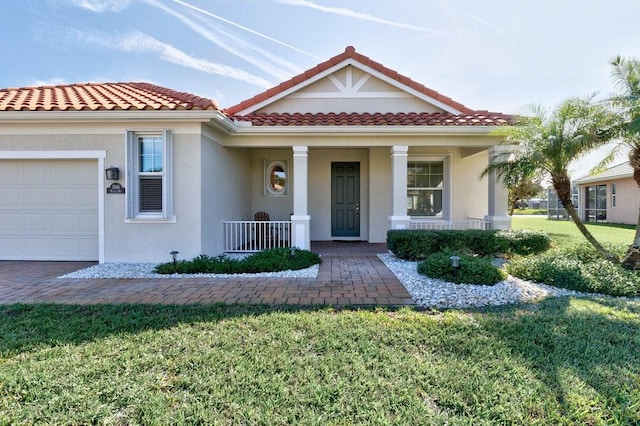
column 521, row 181
column 626, row 75
column 549, row 141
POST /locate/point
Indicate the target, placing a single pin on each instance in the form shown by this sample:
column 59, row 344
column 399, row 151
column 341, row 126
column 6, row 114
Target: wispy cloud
column 139, row 42
column 51, row 82
column 244, row 28
column 99, row 6
column 359, row 15
column 233, row 44
column 492, row 27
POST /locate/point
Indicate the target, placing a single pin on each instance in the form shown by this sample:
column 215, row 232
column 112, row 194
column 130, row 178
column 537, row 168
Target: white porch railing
column 253, row 236
column 432, row 225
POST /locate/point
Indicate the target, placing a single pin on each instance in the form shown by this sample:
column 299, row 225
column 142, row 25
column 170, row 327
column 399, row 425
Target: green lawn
column 562, row 361
column 542, row 212
column 565, row 233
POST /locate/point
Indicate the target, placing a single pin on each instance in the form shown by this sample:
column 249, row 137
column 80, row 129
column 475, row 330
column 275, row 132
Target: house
column 611, row 196
column 129, row 172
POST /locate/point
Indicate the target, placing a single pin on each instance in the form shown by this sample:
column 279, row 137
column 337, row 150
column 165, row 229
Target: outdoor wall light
column 112, row 173
column 455, row 263
column 292, row 252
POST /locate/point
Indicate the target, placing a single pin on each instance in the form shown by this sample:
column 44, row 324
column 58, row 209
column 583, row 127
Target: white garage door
column 48, row 210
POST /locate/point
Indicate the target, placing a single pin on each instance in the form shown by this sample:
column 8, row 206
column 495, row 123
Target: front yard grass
column 562, row 361
column 564, row 233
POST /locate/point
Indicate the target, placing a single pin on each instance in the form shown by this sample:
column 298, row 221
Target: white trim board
column 51, row 155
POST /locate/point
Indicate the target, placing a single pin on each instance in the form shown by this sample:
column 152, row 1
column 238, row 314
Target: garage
column 49, row 209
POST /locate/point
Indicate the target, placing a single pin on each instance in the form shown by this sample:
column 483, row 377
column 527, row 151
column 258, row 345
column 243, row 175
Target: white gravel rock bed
column 145, row 270
column 432, row 293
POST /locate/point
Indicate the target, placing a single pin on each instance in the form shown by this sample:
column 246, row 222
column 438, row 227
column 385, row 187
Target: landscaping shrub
column 271, row 260
column 524, row 242
column 472, row 270
column 578, row 268
column 418, row 244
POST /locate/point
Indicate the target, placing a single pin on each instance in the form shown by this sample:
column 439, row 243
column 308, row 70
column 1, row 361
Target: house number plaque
column 115, row 188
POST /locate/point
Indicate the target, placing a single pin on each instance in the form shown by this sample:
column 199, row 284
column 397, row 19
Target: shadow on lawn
column 575, row 345
column 591, row 344
column 24, row 326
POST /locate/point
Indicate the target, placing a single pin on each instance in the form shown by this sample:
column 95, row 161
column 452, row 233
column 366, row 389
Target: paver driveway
column 350, row 275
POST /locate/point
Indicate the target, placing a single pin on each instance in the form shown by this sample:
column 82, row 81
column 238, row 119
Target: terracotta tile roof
column 349, row 52
column 480, row 118
column 100, row 96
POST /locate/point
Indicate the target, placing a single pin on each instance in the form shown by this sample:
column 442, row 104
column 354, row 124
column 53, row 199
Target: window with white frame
column 149, row 175
column 613, row 195
column 276, row 178
column 595, row 206
column 425, row 188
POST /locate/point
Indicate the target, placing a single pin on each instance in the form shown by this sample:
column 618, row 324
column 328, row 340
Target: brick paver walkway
column 350, row 275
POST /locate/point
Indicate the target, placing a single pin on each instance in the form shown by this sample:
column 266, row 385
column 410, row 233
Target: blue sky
column 496, row 55
column 489, row 54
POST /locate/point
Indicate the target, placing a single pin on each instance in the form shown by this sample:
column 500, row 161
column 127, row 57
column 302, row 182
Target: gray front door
column 345, row 199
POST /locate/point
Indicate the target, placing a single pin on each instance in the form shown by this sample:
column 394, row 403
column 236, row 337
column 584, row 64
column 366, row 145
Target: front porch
column 247, row 236
column 354, row 193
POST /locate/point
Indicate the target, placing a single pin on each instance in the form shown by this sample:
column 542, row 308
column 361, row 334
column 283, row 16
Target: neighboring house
column 537, row 203
column 346, row 150
column 555, row 210
column 611, row 196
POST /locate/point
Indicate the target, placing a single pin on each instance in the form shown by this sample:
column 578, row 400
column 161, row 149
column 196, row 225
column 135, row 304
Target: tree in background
column 626, row 75
column 522, row 182
column 548, row 142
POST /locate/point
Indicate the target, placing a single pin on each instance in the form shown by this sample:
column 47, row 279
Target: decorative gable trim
column 348, row 57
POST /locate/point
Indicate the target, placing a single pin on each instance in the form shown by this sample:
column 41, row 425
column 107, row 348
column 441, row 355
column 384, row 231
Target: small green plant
column 472, row 270
column 578, row 268
column 271, row 260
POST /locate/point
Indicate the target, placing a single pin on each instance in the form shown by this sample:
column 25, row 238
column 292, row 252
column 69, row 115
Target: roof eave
column 366, row 130
column 107, row 115
column 599, row 179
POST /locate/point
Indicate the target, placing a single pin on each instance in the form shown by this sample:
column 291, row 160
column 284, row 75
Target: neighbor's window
column 595, row 208
column 149, row 175
column 276, row 178
column 613, row 195
column 425, row 187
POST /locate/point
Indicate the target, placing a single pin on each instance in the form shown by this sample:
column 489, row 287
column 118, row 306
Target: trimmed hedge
column 271, row 260
column 472, row 270
column 418, row 244
column 578, row 268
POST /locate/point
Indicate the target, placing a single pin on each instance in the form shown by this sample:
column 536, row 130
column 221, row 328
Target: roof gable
column 349, row 82
column 101, row 96
column 620, row 171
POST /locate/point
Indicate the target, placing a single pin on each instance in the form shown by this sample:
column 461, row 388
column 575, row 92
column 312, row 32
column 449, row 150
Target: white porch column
column 498, row 194
column 300, row 220
column 399, row 218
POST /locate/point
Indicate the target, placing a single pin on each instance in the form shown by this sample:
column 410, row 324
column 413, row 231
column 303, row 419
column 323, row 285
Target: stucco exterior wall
column 468, row 192
column 352, row 105
column 627, row 200
column 153, row 241
column 139, row 241
column 469, row 189
column 224, row 191
column 627, row 203
column 279, row 207
column 379, row 193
